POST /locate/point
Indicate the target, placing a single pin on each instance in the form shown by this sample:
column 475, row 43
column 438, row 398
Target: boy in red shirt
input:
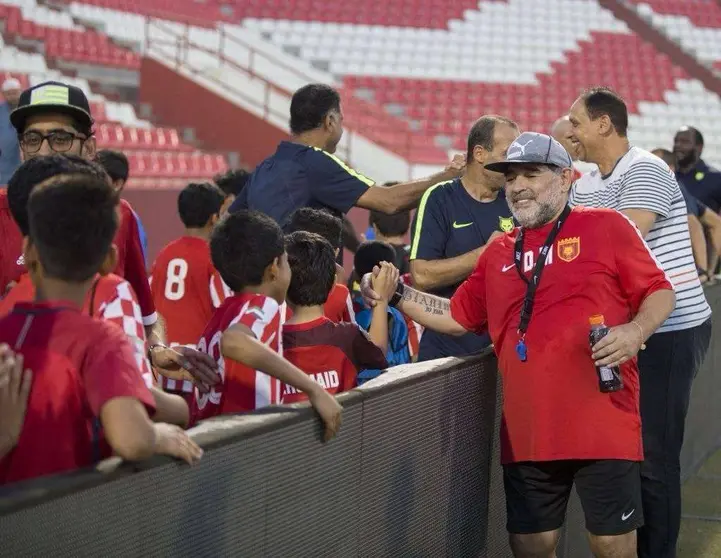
column 111, row 297
column 186, row 287
column 332, row 354
column 243, row 336
column 339, row 306
column 87, row 398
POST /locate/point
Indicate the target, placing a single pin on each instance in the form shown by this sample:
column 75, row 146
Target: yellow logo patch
column 699, row 175
column 50, row 95
column 505, row 224
column 568, row 249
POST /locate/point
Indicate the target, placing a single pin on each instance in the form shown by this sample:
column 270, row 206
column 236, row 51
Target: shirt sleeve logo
column 505, row 224
column 699, row 176
column 569, row 248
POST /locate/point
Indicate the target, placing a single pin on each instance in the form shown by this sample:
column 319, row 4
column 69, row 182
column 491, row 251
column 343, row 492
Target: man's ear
column 567, row 179
column 110, row 262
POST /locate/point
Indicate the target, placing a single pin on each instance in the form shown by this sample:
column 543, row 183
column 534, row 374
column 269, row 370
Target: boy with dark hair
column 332, row 354
column 116, row 165
column 369, row 255
column 231, row 183
column 339, row 306
column 87, row 398
column 110, row 297
column 248, row 250
column 393, row 229
column 186, row 287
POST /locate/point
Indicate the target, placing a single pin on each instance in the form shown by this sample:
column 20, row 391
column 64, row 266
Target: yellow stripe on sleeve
column 419, row 218
column 354, row 173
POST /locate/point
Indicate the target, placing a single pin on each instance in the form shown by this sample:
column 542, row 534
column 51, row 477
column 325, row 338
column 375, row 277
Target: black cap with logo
column 52, row 97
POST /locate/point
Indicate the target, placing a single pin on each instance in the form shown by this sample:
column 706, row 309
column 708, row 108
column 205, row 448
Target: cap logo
column 50, row 95
column 518, row 149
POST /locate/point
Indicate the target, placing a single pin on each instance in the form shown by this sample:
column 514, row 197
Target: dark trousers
column 667, row 368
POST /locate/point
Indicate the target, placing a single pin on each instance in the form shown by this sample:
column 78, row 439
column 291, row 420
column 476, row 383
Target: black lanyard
column 535, row 279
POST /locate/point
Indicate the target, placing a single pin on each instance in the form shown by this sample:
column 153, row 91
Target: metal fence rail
column 414, row 473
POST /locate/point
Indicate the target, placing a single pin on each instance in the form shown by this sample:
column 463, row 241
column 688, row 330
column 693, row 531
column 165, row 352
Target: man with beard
column 642, row 186
column 534, row 290
column 9, row 146
column 702, row 182
column 454, row 224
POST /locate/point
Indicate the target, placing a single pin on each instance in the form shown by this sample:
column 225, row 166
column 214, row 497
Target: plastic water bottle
column 609, row 377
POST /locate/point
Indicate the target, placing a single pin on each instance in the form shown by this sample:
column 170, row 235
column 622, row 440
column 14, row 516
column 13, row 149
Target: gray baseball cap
column 533, row 148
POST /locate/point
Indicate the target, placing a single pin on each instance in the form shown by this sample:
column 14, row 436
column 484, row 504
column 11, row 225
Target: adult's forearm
column 434, row 274
column 406, row 195
column 430, row 311
column 654, row 310
column 698, row 242
column 155, row 333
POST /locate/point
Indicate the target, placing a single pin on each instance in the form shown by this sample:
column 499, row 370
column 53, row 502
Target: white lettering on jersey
column 212, row 349
column 328, row 379
column 529, row 259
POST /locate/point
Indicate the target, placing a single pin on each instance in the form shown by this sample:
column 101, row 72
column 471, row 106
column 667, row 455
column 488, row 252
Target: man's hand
column 456, row 167
column 14, row 391
column 367, row 292
column 329, row 410
column 385, row 283
column 620, row 345
column 174, row 441
column 199, row 366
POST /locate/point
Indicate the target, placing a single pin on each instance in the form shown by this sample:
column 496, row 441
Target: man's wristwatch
column 398, row 295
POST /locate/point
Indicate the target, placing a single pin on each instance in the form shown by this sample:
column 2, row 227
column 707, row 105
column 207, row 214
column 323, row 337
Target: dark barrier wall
column 415, row 472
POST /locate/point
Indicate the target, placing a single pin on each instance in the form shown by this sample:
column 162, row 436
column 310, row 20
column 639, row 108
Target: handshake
column 379, row 286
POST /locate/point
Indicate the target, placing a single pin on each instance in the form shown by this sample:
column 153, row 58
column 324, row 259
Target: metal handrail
column 182, row 44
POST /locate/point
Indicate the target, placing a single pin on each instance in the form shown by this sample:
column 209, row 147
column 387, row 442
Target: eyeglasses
column 59, row 141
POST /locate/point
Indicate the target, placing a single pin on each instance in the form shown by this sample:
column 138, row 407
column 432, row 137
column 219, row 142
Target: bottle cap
column 596, row 320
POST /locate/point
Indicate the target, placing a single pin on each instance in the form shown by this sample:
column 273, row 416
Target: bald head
column 562, row 132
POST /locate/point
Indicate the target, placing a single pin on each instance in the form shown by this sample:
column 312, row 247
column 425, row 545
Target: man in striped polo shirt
column 642, row 186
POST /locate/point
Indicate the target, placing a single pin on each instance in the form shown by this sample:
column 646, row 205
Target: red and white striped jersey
column 241, row 388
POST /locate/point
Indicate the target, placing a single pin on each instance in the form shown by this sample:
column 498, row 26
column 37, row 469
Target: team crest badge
column 569, row 249
column 505, row 224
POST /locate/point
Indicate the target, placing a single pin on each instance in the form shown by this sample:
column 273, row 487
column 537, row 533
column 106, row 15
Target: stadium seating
column 158, row 157
column 416, row 74
column 525, row 59
column 60, row 38
column 694, row 24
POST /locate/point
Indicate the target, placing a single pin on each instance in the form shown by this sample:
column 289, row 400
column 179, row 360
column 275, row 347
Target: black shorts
column 537, row 495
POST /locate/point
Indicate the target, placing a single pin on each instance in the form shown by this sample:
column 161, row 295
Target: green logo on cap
column 50, row 95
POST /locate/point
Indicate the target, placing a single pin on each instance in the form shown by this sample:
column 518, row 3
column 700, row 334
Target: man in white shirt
column 641, row 186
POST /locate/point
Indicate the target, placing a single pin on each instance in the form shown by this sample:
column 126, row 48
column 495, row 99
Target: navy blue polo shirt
column 693, row 206
column 298, row 176
column 703, row 183
column 449, row 222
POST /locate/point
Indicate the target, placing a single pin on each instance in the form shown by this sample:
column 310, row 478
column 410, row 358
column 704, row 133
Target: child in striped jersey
column 243, row 336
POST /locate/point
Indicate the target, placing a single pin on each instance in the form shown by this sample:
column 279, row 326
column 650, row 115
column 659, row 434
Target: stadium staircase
column 414, row 75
